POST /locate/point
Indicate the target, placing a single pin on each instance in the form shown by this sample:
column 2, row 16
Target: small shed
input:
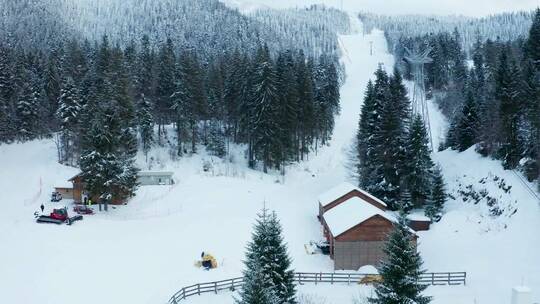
column 356, row 225
column 65, row 189
column 147, row 178
column 418, row 221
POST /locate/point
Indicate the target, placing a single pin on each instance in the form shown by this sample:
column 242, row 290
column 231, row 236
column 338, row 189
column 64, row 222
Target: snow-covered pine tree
column 268, row 251
column 326, row 97
column 391, row 140
column 27, row 106
column 189, row 99
column 437, row 196
column 306, row 96
column 365, row 131
column 467, row 125
column 166, row 86
column 109, row 145
column 265, row 101
column 370, row 172
column 255, row 289
column 52, row 87
column 507, row 93
column 401, row 270
column 236, row 94
column 532, row 45
column 289, row 104
column 419, row 163
column 216, row 139
column 7, row 115
column 69, row 108
column 145, row 123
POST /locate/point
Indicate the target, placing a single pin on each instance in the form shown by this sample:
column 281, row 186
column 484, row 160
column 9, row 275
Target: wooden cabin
column 356, row 225
column 80, row 195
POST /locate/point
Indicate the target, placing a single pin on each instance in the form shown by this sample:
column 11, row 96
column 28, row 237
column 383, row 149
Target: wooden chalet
column 356, row 225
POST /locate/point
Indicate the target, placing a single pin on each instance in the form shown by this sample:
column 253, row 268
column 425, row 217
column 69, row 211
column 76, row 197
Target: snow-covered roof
column 65, row 184
column 342, row 189
column 418, row 216
column 155, row 173
column 351, row 213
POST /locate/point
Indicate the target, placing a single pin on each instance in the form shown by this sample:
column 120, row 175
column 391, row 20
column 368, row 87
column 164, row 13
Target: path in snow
column 330, row 164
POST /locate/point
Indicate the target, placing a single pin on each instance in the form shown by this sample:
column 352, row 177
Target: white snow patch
column 341, row 190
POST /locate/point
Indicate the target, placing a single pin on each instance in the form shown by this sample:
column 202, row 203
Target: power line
column 417, row 59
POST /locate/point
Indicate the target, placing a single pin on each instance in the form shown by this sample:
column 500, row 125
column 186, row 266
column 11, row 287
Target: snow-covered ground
column 145, row 251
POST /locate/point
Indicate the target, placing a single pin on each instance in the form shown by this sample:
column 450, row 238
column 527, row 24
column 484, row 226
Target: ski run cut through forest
column 216, row 169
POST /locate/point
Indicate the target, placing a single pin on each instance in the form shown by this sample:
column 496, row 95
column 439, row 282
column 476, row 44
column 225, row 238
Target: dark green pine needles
column 267, row 277
column 401, row 271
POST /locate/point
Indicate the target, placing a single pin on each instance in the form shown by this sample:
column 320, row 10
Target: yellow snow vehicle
column 207, row 261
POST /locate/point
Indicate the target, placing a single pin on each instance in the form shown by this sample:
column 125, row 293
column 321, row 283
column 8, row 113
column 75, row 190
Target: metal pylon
column 417, row 60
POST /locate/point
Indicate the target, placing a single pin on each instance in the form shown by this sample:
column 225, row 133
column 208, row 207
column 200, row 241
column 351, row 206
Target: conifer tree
column 419, row 162
column 166, row 86
column 255, row 289
column 401, row 270
column 467, row 125
column 391, row 139
column 370, row 172
column 264, row 107
column 437, row 196
column 507, row 93
column 306, row 96
column 27, row 108
column 287, row 111
column 216, row 139
column 267, row 254
column 69, row 108
column 146, row 124
column 532, row 45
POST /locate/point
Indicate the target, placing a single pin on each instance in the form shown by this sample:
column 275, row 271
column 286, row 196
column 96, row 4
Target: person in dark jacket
column 42, row 208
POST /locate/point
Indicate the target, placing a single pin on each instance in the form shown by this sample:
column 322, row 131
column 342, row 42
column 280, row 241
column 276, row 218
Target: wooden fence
column 429, row 278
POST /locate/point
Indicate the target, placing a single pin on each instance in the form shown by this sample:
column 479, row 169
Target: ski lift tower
column 417, row 59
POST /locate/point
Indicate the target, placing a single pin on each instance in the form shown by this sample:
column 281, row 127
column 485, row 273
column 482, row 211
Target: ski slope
column 145, row 251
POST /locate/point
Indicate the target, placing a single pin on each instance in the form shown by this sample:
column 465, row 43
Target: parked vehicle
column 83, row 209
column 58, row 216
column 56, row 196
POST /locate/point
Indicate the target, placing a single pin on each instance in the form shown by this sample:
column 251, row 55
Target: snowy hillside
column 144, row 251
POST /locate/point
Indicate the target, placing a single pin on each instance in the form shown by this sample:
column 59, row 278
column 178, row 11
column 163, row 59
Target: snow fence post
column 433, row 278
column 199, row 289
column 332, row 278
column 449, row 279
column 215, row 287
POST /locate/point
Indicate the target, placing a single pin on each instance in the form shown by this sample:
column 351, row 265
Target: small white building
column 148, row 178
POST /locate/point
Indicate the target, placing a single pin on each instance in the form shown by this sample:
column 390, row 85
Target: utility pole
column 417, row 59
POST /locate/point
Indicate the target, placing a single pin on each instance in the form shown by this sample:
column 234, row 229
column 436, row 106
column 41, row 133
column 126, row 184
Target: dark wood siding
column 375, row 228
column 418, row 225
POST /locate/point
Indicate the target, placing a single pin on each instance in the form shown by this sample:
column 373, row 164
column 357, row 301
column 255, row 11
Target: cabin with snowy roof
column 356, row 225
